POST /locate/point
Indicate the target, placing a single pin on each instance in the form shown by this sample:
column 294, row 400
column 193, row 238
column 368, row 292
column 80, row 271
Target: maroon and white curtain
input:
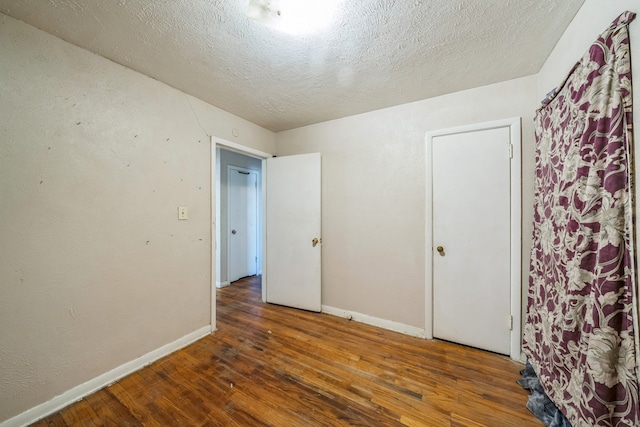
column 581, row 334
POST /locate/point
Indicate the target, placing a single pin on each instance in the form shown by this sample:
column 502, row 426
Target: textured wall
column 373, row 187
column 373, row 175
column 95, row 268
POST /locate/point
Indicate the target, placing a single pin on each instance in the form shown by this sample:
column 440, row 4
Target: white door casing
column 293, row 239
column 242, row 247
column 473, row 287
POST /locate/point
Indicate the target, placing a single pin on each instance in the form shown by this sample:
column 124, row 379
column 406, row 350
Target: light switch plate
column 183, row 212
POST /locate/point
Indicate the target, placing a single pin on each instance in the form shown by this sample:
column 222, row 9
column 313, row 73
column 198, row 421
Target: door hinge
column 511, row 151
column 511, row 323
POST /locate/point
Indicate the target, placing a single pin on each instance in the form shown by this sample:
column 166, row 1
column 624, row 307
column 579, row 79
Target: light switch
column 183, row 212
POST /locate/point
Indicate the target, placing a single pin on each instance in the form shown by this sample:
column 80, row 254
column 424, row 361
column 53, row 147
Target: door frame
column 215, row 228
column 258, row 181
column 513, row 124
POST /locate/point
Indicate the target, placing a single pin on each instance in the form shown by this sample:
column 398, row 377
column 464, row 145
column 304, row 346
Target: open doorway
column 239, row 216
column 294, row 187
column 219, row 256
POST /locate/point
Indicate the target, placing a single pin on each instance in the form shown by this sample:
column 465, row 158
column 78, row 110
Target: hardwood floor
column 274, row 366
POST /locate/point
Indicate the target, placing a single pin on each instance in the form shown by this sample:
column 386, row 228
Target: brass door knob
column 440, row 249
column 314, row 242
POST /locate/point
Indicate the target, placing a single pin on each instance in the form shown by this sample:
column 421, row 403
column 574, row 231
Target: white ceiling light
column 294, row 16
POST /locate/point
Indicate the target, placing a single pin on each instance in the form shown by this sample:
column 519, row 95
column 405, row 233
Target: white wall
column 95, row 268
column 373, row 177
column 229, row 158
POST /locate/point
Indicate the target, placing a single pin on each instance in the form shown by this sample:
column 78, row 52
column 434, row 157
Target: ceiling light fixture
column 294, row 16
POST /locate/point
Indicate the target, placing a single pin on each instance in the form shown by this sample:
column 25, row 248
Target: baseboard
column 222, row 284
column 76, row 393
column 375, row 321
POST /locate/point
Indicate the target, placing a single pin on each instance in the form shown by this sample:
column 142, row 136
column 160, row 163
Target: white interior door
column 293, row 249
column 242, row 223
column 472, row 238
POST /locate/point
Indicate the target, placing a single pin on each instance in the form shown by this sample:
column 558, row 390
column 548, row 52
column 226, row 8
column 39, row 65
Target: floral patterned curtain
column 579, row 334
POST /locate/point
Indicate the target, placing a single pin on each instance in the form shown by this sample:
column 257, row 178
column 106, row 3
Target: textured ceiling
column 376, row 54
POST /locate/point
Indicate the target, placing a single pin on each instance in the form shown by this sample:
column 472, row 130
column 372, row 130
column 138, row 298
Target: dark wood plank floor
column 274, row 366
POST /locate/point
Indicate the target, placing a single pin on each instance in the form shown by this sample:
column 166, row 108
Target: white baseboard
column 413, row 331
column 222, row 284
column 78, row 392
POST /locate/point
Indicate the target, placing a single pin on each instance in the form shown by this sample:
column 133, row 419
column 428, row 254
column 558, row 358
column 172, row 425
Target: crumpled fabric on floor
column 539, row 403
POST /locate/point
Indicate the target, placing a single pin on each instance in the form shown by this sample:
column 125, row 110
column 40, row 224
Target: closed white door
column 242, row 223
column 293, row 255
column 472, row 238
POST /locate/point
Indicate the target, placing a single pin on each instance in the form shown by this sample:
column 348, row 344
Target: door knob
column 314, row 242
column 440, row 249
column 233, row 231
